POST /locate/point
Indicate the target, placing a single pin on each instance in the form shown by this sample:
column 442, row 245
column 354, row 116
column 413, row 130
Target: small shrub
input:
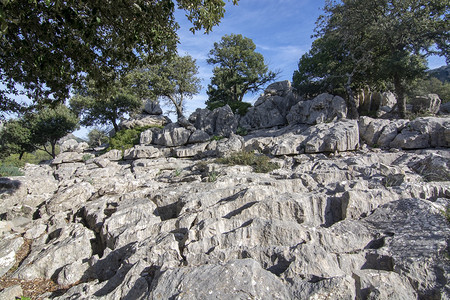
column 126, row 138
column 177, row 173
column 241, row 131
column 260, row 163
column 240, row 107
column 217, row 138
column 212, row 176
column 10, row 171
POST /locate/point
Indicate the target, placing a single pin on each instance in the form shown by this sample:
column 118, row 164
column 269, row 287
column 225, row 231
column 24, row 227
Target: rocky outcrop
column 421, row 133
column 339, row 218
column 426, row 104
column 353, row 224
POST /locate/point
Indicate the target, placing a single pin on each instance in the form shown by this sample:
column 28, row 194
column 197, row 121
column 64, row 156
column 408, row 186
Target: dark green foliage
column 238, row 70
column 38, row 130
column 260, row 162
column 50, row 124
column 374, row 43
column 173, row 80
column 97, row 137
column 104, row 105
column 430, row 85
column 47, row 46
column 126, row 138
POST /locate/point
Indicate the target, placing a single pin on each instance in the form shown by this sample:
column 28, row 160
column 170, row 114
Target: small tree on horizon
column 173, row 80
column 238, row 70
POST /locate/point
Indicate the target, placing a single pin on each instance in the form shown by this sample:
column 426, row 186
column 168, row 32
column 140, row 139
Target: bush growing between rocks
column 260, row 162
column 126, row 138
column 10, row 171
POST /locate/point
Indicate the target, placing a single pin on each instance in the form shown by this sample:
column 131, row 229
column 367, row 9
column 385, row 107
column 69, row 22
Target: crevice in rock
column 181, row 236
column 378, row 262
column 239, row 210
column 281, row 264
column 170, row 211
column 53, row 235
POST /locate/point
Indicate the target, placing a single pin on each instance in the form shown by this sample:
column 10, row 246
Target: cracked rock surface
column 366, row 224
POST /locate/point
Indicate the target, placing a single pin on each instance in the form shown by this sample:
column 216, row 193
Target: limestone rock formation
column 338, row 218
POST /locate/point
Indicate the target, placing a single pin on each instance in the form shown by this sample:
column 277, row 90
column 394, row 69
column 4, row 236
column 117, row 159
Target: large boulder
column 424, row 133
column 327, row 137
column 323, row 108
column 426, row 104
column 238, row 279
column 219, row 122
column 172, row 136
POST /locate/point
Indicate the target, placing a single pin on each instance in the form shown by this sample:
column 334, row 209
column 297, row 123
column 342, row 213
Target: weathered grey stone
column 142, row 120
column 190, row 151
column 152, row 108
column 219, row 122
column 9, row 246
column 63, row 246
column 432, row 168
column 379, row 284
column 281, row 88
column 426, row 104
column 12, row 292
column 68, row 157
column 323, row 108
column 328, row 137
column 72, row 145
column 226, row 147
column 69, row 198
column 423, row 133
column 113, row 155
column 265, row 114
column 140, row 151
column 199, row 136
column 172, row 136
column 237, row 279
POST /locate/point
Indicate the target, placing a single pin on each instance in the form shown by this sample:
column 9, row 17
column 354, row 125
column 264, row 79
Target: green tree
column 47, row 46
column 173, row 80
column 15, row 137
column 49, row 125
column 97, row 137
column 38, row 130
column 386, row 41
column 239, row 69
column 104, row 105
column 430, row 85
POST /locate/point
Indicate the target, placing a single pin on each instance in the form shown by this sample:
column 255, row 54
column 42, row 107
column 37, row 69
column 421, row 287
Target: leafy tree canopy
column 239, row 69
column 47, row 46
column 376, row 43
column 106, row 104
column 173, row 80
column 38, row 130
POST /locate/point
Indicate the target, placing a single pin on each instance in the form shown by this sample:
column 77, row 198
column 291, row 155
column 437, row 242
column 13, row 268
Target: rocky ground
column 367, row 224
column 354, row 211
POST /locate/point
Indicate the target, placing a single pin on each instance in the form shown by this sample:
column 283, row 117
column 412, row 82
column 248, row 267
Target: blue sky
column 280, row 29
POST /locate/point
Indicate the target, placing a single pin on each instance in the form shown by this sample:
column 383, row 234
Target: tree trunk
column 116, row 127
column 53, row 149
column 400, row 93
column 351, row 102
column 21, row 155
column 179, row 111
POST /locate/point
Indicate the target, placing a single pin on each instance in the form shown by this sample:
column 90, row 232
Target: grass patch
column 260, row 162
column 10, row 171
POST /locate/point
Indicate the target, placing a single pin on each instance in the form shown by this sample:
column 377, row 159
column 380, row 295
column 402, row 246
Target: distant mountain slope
column 442, row 73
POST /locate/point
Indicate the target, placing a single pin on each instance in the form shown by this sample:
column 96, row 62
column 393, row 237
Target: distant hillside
column 442, row 73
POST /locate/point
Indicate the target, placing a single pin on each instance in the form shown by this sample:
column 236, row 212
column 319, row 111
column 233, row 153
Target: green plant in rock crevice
column 261, row 163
